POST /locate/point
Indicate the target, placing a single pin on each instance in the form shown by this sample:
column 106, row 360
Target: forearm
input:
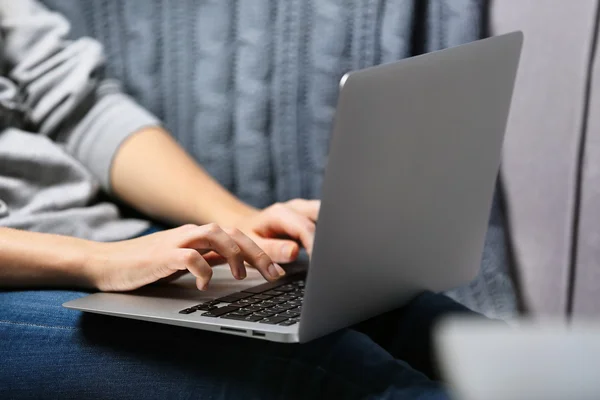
column 154, row 174
column 37, row 259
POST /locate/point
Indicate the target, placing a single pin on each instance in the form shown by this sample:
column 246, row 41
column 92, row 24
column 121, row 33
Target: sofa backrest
column 555, row 237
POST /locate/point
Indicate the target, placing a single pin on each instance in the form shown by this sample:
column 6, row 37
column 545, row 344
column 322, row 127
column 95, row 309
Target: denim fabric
column 47, row 351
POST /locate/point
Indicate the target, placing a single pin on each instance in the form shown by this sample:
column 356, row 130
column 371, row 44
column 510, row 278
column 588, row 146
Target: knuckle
column 279, row 210
column 189, row 256
column 207, row 272
column 296, row 202
column 235, row 250
column 263, row 258
column 278, row 206
column 213, row 228
column 233, row 232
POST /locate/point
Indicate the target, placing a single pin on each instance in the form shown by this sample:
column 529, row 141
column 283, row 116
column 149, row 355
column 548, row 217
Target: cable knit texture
column 249, row 88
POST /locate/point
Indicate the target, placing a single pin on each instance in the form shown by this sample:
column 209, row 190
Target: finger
column 308, row 208
column 197, row 265
column 213, row 258
column 255, row 256
column 212, row 237
column 287, row 222
column 280, row 250
column 172, row 277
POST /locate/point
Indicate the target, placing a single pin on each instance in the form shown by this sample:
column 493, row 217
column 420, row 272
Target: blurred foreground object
column 550, row 359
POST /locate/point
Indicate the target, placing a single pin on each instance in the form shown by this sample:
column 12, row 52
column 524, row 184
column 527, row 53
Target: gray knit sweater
column 50, row 178
column 247, row 87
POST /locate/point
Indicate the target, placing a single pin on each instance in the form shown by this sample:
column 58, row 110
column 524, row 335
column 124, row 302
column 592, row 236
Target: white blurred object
column 484, row 360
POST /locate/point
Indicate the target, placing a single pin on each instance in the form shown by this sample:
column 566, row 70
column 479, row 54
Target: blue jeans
column 47, row 351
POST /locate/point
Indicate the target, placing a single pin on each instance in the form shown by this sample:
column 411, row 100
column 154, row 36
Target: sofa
column 550, row 169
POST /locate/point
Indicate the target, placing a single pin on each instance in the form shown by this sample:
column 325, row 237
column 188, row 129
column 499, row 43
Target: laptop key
column 266, row 303
column 273, row 293
column 245, row 302
column 220, row 311
column 263, row 288
column 280, row 308
column 286, row 297
column 228, row 299
column 290, row 314
column 204, row 307
column 285, row 288
column 274, row 312
column 261, row 297
column 242, row 311
column 253, row 318
column 249, row 301
column 254, row 308
column 187, row 311
column 264, row 314
column 272, row 302
column 231, row 298
column 247, row 318
column 273, row 320
column 288, row 322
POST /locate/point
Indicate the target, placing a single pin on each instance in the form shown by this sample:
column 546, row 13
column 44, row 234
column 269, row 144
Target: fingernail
column 287, row 251
column 242, row 274
column 280, row 270
column 275, row 271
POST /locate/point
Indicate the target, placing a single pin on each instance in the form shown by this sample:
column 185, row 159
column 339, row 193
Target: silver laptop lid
column 409, row 183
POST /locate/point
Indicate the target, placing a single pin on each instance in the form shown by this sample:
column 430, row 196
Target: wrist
column 234, row 216
column 93, row 264
column 228, row 213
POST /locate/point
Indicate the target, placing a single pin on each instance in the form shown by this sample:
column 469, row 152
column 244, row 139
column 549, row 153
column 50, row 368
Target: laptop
column 544, row 359
column 406, row 198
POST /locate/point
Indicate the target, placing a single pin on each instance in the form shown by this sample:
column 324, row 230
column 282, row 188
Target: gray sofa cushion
column 586, row 286
column 540, row 163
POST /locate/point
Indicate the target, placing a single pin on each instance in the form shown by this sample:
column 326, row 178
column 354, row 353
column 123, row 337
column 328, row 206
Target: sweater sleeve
column 63, row 94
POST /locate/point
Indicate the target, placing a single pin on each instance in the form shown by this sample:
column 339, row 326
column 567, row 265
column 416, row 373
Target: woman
column 67, row 136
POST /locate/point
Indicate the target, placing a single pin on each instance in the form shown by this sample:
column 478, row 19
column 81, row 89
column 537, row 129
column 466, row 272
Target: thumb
column 280, row 250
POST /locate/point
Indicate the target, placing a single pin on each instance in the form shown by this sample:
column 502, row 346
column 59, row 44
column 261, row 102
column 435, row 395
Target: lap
column 48, row 349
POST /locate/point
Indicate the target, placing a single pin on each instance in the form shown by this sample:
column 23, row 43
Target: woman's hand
column 278, row 229
column 130, row 264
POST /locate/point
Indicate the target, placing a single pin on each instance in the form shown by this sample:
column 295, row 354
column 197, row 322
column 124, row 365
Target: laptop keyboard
column 275, row 303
